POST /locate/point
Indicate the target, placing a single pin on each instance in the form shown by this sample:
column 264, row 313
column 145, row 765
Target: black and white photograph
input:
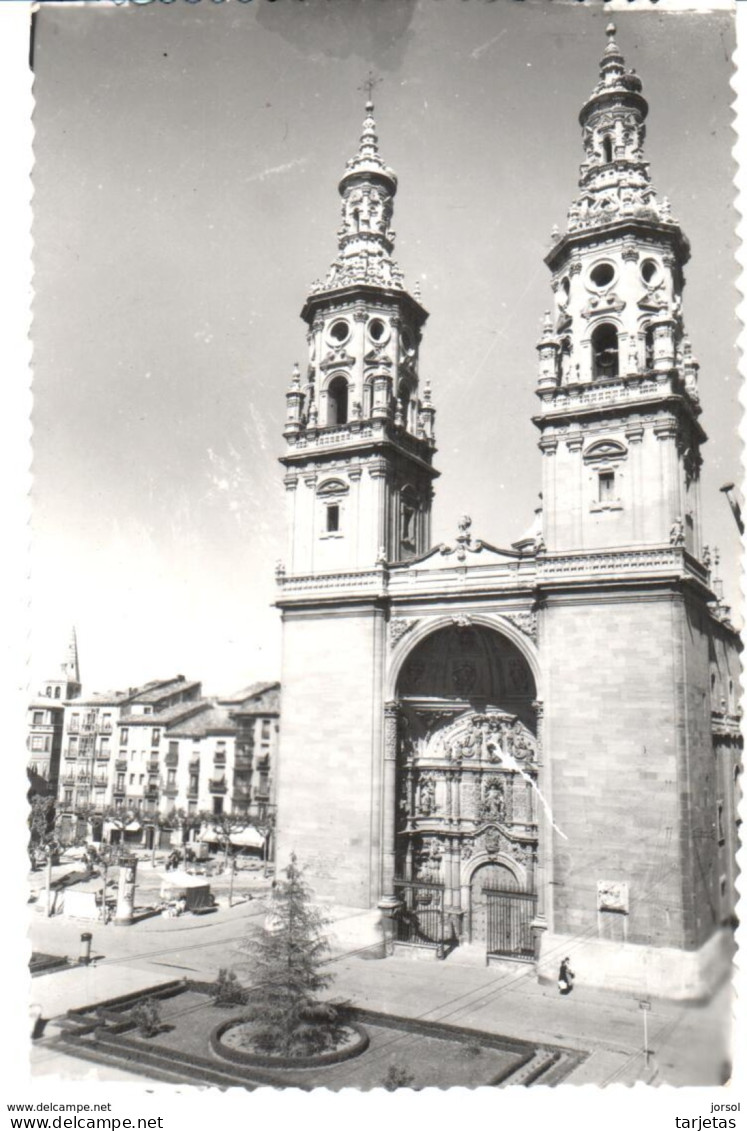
column 382, row 712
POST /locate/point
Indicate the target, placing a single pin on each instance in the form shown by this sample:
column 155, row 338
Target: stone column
column 389, row 801
column 539, row 859
column 126, row 892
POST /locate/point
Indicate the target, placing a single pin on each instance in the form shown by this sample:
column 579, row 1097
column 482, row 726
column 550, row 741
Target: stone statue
column 426, row 796
column 493, row 807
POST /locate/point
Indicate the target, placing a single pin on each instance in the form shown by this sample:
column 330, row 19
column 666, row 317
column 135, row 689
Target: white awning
column 110, row 827
column 248, row 837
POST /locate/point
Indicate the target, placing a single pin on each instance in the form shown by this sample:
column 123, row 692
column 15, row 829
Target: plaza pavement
column 690, row 1043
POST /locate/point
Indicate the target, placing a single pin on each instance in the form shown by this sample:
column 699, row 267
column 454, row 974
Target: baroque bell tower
column 359, row 430
column 358, row 475
column 624, row 582
column 614, row 353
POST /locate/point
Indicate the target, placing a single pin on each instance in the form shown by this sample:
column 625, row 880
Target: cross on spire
column 369, row 83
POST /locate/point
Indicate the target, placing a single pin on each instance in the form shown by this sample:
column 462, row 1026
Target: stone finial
column 296, row 378
column 416, row 292
column 555, row 233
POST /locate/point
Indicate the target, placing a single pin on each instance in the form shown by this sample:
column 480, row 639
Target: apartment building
column 163, row 748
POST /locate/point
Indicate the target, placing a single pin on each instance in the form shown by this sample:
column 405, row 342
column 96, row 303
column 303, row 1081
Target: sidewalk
column 690, row 1043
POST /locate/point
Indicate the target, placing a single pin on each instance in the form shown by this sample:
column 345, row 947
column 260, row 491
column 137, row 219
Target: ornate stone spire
column 615, row 183
column 365, row 239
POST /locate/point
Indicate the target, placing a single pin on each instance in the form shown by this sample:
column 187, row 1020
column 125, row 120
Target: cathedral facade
column 529, row 751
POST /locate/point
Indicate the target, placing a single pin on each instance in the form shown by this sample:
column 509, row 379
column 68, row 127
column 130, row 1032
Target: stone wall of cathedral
column 329, row 762
column 617, row 747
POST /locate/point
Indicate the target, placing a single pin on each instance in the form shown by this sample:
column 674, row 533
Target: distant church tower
column 66, row 684
column 358, row 474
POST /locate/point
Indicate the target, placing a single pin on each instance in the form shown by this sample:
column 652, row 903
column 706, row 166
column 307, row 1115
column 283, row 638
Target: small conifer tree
column 286, row 964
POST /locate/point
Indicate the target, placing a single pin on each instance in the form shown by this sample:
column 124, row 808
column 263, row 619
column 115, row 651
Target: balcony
column 263, row 758
column 74, row 726
column 242, row 762
column 84, row 776
column 119, row 790
column 68, row 779
column 120, row 765
column 218, row 785
column 153, row 767
column 151, row 791
column 171, row 760
column 262, row 793
column 71, row 755
column 241, row 790
column 171, row 790
column 192, row 792
column 101, row 783
column 105, row 728
column 103, row 755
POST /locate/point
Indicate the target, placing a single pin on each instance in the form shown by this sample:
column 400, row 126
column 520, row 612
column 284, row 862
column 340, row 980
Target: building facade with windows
column 531, row 750
column 162, row 748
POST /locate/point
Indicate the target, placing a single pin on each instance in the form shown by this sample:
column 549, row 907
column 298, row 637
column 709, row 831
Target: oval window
column 339, row 331
column 602, row 274
column 377, row 330
column 650, row 271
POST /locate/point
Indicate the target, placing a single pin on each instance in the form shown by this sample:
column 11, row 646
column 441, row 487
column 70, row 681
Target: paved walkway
column 689, row 1043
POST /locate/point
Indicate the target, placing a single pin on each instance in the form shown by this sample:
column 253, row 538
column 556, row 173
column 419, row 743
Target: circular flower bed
column 226, row 1041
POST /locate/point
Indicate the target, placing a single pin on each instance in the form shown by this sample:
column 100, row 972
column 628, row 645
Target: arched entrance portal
column 466, row 817
column 501, row 912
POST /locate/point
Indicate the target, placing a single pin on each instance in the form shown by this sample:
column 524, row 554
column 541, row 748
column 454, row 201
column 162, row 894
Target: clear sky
column 187, row 160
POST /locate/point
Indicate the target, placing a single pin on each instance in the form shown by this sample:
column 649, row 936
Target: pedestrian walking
column 565, row 977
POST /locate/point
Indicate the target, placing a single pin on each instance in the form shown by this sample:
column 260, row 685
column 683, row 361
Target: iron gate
column 420, row 919
column 509, row 927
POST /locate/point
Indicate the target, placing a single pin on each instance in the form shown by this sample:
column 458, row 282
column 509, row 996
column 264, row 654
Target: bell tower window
column 607, row 149
column 408, row 524
column 606, row 486
column 331, row 495
column 649, row 347
column 605, row 352
column 337, row 401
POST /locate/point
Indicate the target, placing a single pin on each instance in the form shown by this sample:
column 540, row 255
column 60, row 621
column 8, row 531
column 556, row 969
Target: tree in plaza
column 43, row 840
column 225, row 824
column 265, row 824
column 287, row 959
column 187, row 822
column 119, row 818
column 157, row 821
column 85, row 815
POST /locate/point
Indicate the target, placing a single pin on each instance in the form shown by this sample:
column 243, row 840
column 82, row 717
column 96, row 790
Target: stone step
column 531, row 1072
column 164, row 1059
column 96, row 1055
